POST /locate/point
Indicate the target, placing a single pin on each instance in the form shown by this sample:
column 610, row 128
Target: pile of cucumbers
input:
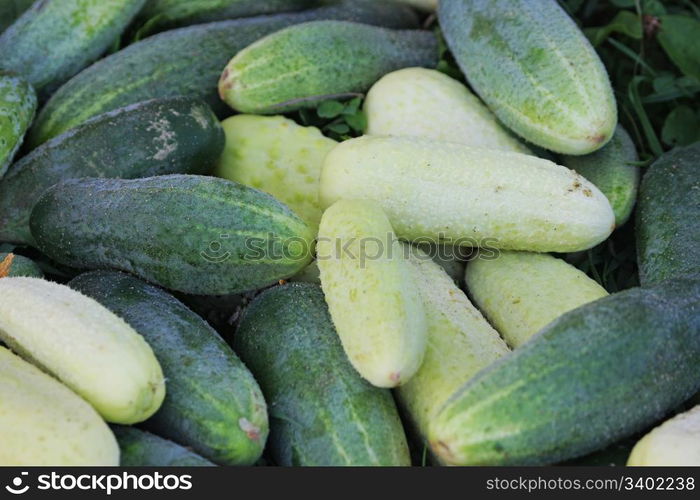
column 391, row 299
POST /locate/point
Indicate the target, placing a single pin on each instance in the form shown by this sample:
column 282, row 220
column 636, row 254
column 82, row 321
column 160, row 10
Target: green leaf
column 330, row 109
column 357, row 121
column 352, row 106
column 653, row 7
column 625, row 22
column 338, row 128
column 682, row 127
column 623, row 4
column 636, row 102
column 680, row 38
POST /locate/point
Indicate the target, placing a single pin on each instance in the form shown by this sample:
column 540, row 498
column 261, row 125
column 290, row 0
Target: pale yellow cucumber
column 420, row 102
column 469, row 196
column 84, row 345
column 371, row 296
column 675, row 443
column 275, row 155
column 460, row 342
column 42, row 422
column 521, row 292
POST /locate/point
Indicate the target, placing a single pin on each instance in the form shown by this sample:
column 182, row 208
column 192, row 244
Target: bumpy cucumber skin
column 186, row 61
column 363, row 268
column 302, row 65
column 164, row 136
column 599, row 373
column 142, row 449
column 213, row 405
column 275, row 155
column 522, row 292
column 17, row 107
column 42, row 422
column 675, row 443
column 420, row 102
column 55, row 39
column 668, row 240
column 321, row 411
column 11, row 10
column 98, row 356
column 467, row 195
column 22, row 266
column 193, row 234
column 535, row 70
column 611, row 170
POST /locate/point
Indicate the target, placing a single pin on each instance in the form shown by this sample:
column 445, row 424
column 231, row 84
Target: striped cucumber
column 321, row 411
column 420, row 102
column 142, row 449
column 595, row 375
column 675, row 443
column 21, row 266
column 213, row 405
column 275, row 155
column 534, row 69
column 17, row 107
column 186, row 61
column 42, row 422
column 469, row 196
column 612, row 170
column 522, row 292
column 54, row 39
column 165, row 136
column 363, row 268
column 302, row 65
column 84, row 345
column 193, row 234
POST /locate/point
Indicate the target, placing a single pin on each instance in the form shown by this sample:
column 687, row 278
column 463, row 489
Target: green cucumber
column 213, row 405
column 675, row 443
column 17, row 107
column 193, row 234
column 427, row 5
column 534, row 69
column 11, row 10
column 165, row 136
column 363, row 268
column 668, row 240
column 186, row 61
column 321, row 411
column 595, row 375
column 22, row 266
column 142, row 449
column 302, row 65
column 469, row 196
column 522, row 292
column 612, row 170
column 275, row 155
column 55, row 39
column 420, row 102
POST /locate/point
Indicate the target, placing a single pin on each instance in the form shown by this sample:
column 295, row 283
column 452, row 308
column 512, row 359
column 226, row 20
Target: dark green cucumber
column 186, row 61
column 213, row 404
column 142, row 449
column 668, row 239
column 11, row 10
column 321, row 411
column 54, row 39
column 194, row 234
column 22, row 266
column 595, row 375
column 177, row 135
column 17, row 107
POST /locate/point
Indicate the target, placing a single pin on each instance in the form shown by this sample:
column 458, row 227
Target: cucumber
column 55, row 39
column 17, row 107
column 142, row 449
column 460, row 342
column 310, row 274
column 420, row 102
column 193, row 234
column 612, row 170
column 363, row 268
column 534, row 69
column 22, row 266
column 321, row 411
column 521, row 292
column 469, row 196
column 301, row 66
column 427, row 5
column 165, row 136
column 675, row 443
column 597, row 374
column 275, row 155
column 42, row 422
column 213, row 405
column 186, row 61
column 11, row 10
column 668, row 241
column 84, row 345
